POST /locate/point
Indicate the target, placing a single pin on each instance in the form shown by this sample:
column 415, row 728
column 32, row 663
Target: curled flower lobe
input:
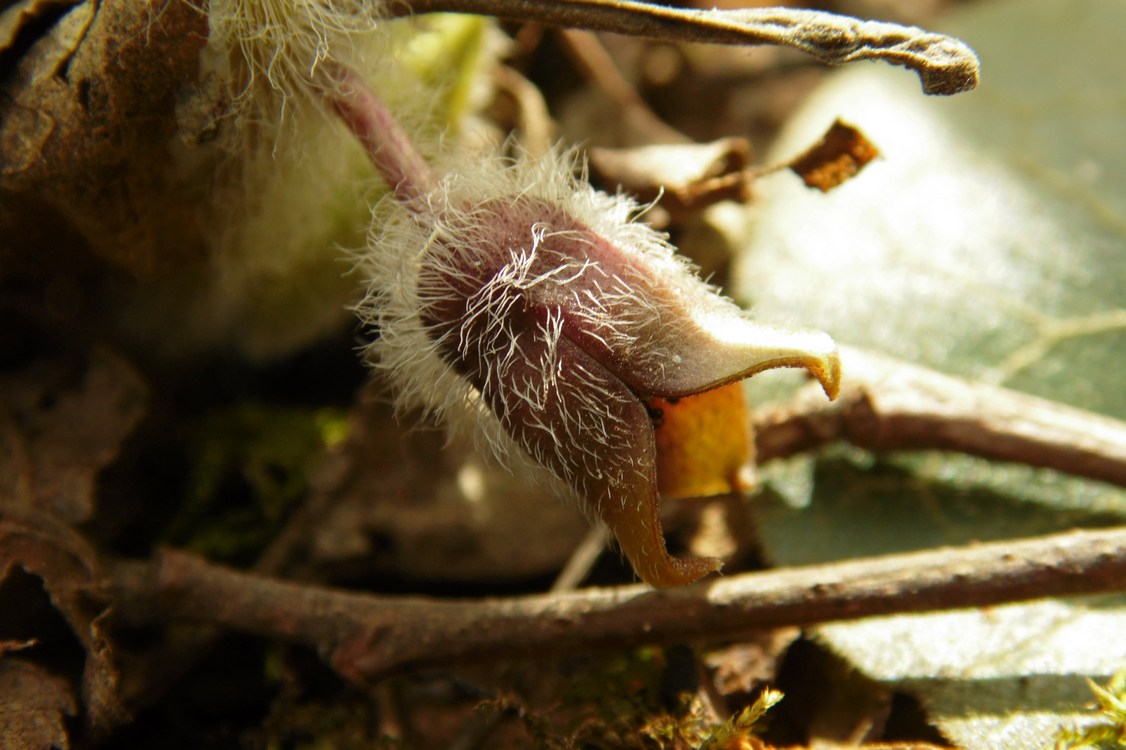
column 515, row 295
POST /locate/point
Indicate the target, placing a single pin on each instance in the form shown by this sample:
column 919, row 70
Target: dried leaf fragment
column 87, row 119
column 38, row 552
column 61, row 423
column 684, row 178
column 35, row 706
column 838, row 157
column 19, row 19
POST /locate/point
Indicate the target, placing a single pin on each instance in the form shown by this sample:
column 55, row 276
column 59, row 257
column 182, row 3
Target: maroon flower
column 512, row 298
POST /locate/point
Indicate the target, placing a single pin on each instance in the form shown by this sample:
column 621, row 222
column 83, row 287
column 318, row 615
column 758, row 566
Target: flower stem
column 388, row 146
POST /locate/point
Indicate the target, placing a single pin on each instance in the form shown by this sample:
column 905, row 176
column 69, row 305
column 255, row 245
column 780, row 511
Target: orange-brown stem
column 637, row 527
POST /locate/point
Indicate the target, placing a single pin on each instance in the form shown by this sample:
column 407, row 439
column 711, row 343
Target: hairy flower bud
column 514, row 297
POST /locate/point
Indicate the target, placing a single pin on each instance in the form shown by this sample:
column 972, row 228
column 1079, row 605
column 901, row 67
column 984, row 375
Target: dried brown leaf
column 87, row 120
column 684, row 178
column 20, row 18
column 400, row 501
column 838, row 157
column 745, row 666
column 61, row 423
column 34, row 707
column 945, row 65
column 48, row 572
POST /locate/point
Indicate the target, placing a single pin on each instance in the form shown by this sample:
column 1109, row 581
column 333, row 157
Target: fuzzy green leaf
column 987, row 242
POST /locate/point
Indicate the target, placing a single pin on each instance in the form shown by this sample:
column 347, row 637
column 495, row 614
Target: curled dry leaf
column 945, row 65
column 754, row 660
column 61, row 423
column 87, row 117
column 48, row 572
column 682, row 178
column 839, row 156
column 19, row 18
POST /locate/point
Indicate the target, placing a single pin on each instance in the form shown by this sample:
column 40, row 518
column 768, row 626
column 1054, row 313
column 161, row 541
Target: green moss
column 1109, row 729
column 742, row 725
column 249, row 469
column 620, row 705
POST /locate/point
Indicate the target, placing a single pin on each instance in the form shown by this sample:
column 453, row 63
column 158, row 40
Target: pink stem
column 387, row 144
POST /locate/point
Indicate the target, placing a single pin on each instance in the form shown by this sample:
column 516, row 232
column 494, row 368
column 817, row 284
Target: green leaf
column 988, row 241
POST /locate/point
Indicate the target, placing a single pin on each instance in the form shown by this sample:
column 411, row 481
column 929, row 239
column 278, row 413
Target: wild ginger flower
column 510, row 296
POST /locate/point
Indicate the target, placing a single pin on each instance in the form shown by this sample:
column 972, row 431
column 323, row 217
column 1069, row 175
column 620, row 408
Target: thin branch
column 367, row 637
column 599, row 67
column 944, row 64
column 886, row 404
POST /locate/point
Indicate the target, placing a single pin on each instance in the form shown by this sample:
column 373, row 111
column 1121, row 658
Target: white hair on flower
column 283, row 42
column 406, row 350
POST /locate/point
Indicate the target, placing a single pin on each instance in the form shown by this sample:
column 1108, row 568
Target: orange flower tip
column 672, row 572
column 827, row 370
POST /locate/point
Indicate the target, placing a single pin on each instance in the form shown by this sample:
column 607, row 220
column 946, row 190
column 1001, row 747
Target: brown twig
column 367, row 637
column 601, row 69
column 945, row 65
column 890, row 405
